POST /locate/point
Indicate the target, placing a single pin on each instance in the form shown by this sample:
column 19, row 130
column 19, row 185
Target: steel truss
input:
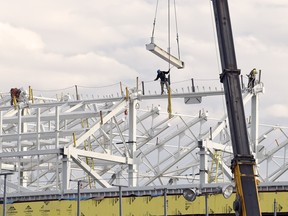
column 52, row 144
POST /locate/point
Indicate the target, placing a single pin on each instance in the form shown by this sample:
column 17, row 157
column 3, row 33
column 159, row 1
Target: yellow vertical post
column 74, row 139
column 14, row 102
column 213, row 174
column 31, row 94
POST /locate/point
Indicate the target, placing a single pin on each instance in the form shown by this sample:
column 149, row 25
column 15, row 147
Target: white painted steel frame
column 124, row 144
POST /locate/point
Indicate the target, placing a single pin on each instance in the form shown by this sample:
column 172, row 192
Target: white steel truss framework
column 52, row 144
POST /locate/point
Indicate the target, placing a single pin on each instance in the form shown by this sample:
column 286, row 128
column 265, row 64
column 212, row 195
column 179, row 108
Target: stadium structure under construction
column 120, row 152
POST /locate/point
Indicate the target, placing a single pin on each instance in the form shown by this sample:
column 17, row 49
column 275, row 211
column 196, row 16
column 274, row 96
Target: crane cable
column 169, row 108
column 154, row 22
column 176, row 26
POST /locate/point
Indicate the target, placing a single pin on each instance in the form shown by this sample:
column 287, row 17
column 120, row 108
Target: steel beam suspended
column 165, row 55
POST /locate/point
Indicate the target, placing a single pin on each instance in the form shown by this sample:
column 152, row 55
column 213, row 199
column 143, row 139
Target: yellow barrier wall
column 142, row 206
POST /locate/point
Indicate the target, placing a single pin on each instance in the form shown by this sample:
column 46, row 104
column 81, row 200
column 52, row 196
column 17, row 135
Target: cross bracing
column 53, row 143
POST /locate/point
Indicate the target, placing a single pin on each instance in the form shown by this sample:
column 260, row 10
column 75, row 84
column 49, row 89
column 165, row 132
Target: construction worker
column 252, row 77
column 163, row 79
column 20, row 96
column 14, row 93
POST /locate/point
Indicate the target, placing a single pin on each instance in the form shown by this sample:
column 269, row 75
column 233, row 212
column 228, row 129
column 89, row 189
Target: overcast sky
column 52, row 44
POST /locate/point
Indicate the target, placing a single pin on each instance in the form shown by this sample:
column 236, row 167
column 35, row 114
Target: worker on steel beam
column 15, row 93
column 18, row 96
column 252, row 77
column 163, row 79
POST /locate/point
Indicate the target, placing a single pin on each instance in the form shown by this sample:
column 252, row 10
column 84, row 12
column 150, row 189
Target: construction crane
column 243, row 163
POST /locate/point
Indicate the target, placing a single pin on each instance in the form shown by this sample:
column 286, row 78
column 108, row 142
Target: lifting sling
column 161, row 52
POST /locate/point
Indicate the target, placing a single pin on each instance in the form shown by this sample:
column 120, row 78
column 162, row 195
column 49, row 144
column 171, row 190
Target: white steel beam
column 106, row 157
column 132, row 168
column 90, row 171
column 30, row 153
column 165, row 55
column 121, row 105
column 254, row 123
column 165, row 148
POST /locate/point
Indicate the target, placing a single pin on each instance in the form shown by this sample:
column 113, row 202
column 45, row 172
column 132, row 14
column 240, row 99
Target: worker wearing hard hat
column 163, row 79
column 252, row 77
